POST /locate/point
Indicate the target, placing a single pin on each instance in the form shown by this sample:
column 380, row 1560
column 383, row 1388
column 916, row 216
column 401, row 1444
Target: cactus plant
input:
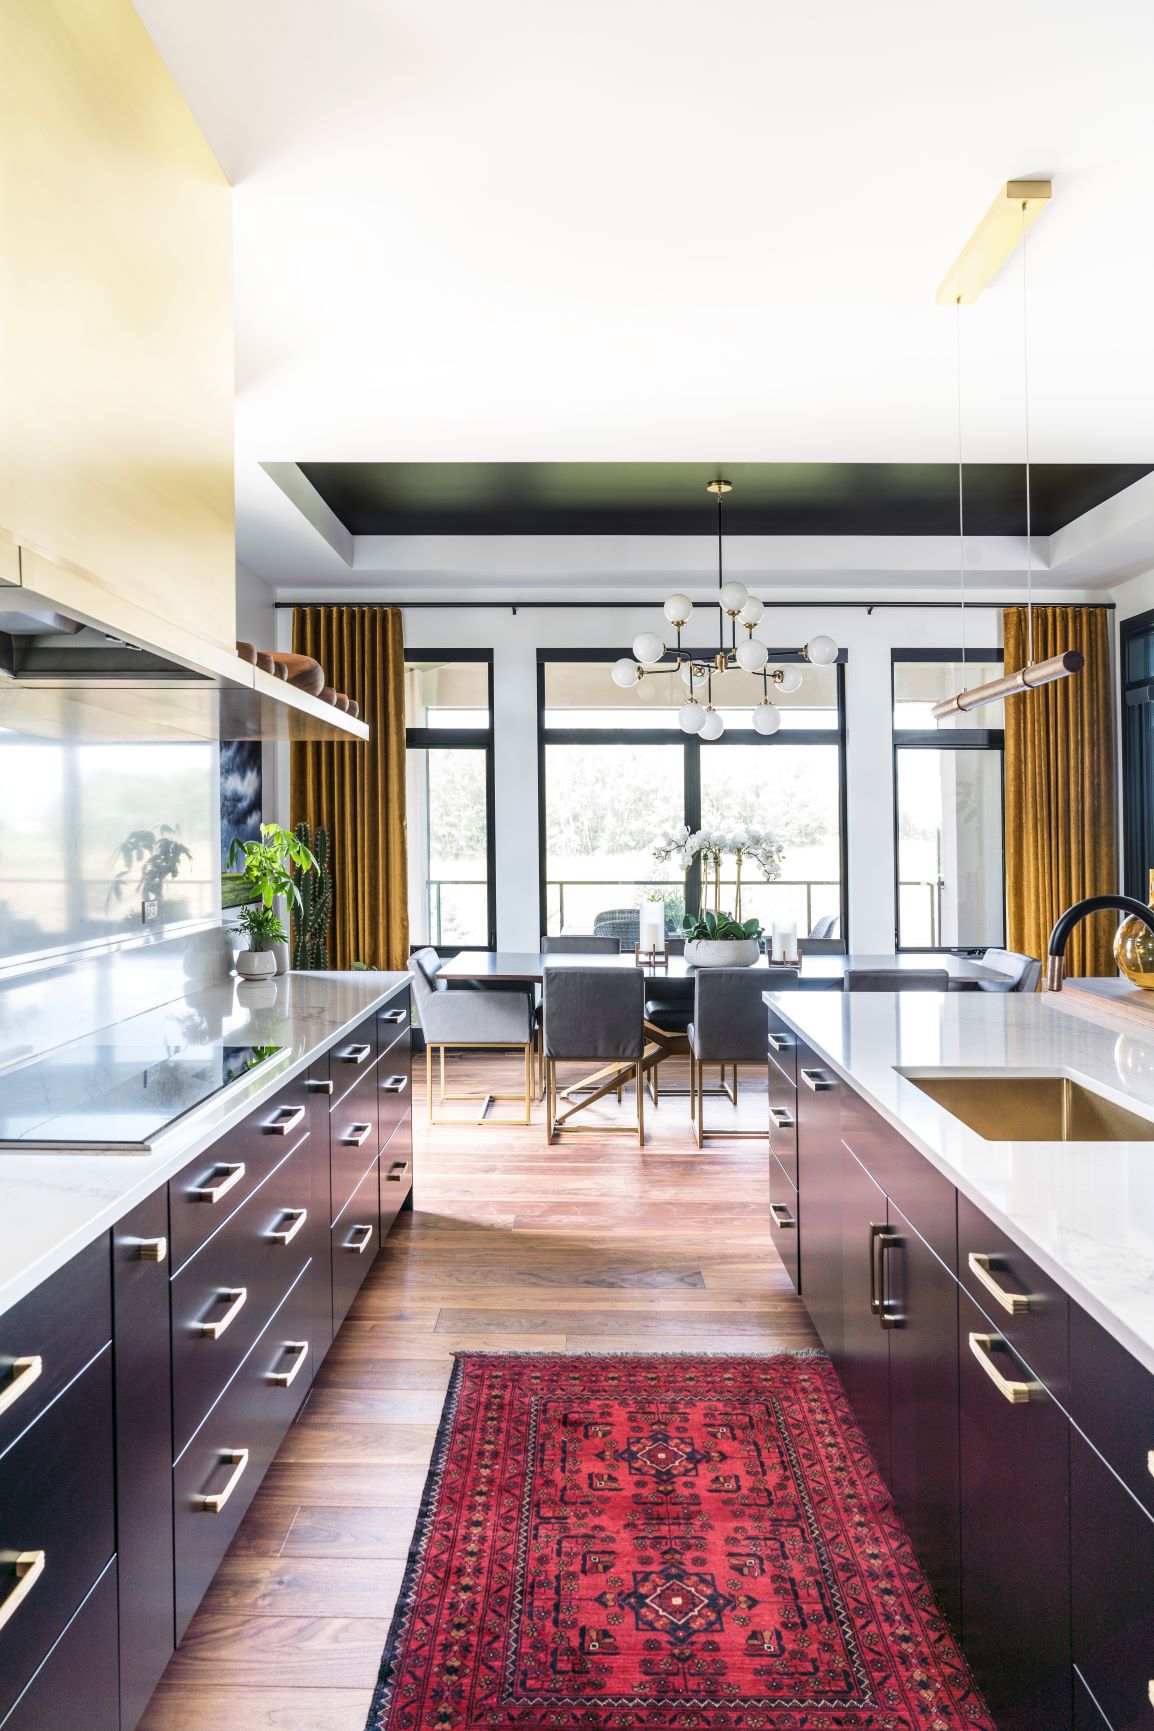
column 311, row 923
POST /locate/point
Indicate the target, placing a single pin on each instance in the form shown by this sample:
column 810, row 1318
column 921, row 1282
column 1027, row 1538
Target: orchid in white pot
column 747, row 846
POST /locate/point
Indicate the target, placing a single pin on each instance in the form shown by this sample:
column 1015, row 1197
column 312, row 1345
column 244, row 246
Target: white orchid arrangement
column 754, row 845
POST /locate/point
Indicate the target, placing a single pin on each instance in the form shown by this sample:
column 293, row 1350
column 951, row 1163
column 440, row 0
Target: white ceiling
column 660, row 229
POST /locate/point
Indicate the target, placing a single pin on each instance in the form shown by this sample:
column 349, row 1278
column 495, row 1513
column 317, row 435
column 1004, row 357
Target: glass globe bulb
column 625, row 672
column 752, row 611
column 790, row 679
column 678, row 608
column 714, row 726
column 691, row 717
column 822, row 651
column 766, row 717
column 648, row 647
column 734, row 596
column 752, row 655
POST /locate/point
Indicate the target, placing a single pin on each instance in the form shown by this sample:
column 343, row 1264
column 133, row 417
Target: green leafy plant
column 274, row 865
column 261, row 927
column 720, row 928
column 314, row 904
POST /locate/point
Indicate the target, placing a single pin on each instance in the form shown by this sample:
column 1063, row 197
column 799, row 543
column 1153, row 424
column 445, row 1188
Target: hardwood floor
column 593, row 1245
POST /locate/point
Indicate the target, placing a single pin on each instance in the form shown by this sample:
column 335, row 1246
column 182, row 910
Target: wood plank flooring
column 593, row 1245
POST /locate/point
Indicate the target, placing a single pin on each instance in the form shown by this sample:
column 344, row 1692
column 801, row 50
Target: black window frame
column 464, row 739
column 942, row 739
column 1137, row 763
column 692, row 759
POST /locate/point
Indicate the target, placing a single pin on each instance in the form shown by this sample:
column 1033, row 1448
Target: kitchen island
column 987, row 1295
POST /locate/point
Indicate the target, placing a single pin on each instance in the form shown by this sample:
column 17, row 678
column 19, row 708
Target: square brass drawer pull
column 152, row 1249
column 238, row 1460
column 394, row 1084
column 356, row 1134
column 781, row 1118
column 285, row 1378
column 360, row 1248
column 286, row 1234
column 24, row 1373
column 781, row 1215
column 238, row 1298
column 780, row 1042
column 817, row 1080
column 355, row 1054
column 213, row 1192
column 284, row 1119
column 29, row 1568
column 394, row 1015
column 1017, row 1393
column 397, row 1170
column 1017, row 1303
column 321, row 1085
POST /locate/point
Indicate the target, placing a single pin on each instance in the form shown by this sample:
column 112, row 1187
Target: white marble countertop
column 1083, row 1210
column 53, row 1204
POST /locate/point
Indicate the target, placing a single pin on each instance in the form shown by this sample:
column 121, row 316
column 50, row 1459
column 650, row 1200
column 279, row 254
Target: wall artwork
column 240, row 811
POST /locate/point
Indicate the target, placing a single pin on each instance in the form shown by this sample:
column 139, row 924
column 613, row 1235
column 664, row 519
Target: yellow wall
column 116, row 333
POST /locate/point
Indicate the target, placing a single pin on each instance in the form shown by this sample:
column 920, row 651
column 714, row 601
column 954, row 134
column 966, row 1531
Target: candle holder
column 650, row 958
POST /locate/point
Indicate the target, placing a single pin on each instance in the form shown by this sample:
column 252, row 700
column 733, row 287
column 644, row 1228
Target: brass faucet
column 1073, row 916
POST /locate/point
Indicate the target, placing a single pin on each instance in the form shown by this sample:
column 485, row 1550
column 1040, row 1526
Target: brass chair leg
column 442, row 1053
column 640, row 1075
column 699, row 1120
column 550, row 1099
column 528, row 1080
column 429, row 1081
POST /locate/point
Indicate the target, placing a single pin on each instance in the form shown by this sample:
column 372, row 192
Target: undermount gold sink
column 1004, row 1108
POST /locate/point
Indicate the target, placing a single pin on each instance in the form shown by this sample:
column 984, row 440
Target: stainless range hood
column 44, row 645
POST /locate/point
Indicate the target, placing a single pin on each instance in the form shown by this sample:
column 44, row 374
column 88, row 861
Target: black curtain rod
column 602, row 606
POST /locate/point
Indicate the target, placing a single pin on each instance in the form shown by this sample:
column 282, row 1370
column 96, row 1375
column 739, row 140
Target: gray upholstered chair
column 578, row 944
column 594, row 1015
column 897, row 980
column 826, row 926
column 728, row 1027
column 1022, row 972
column 821, row 946
column 470, row 1021
column 621, row 923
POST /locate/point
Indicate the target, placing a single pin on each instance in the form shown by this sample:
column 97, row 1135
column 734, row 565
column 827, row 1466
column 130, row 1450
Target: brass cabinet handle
column 397, row 1171
column 238, row 1459
column 238, row 1298
column 356, row 1134
column 286, row 1234
column 365, row 1241
column 817, row 1081
column 355, row 1054
column 1015, row 1302
column 323, row 1085
column 24, row 1373
column 781, row 1117
column 284, row 1119
column 29, row 1568
column 394, row 1015
column 781, row 1216
column 152, row 1249
column 286, row 1378
column 214, row 1192
column 780, row 1043
column 1017, row 1393
column 886, row 1240
column 394, row 1084
column 876, row 1231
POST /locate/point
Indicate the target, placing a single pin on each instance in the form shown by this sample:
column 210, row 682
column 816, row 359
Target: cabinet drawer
column 212, row 1187
column 928, row 1201
column 77, row 1685
column 1030, row 1310
column 396, row 1172
column 356, row 1239
column 349, row 1061
column 1088, row 1716
column 56, row 1510
column 216, row 1477
column 234, row 1283
column 782, row 1043
column 1112, row 1552
column 353, row 1137
column 783, row 1219
column 782, row 1105
column 392, row 1078
column 394, row 1022
column 50, row 1335
column 1112, row 1399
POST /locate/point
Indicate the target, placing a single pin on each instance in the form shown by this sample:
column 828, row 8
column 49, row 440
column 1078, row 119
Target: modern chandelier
column 697, row 670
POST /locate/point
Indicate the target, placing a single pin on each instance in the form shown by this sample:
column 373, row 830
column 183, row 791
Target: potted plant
column 714, row 940
column 262, row 927
column 707, row 848
column 267, row 865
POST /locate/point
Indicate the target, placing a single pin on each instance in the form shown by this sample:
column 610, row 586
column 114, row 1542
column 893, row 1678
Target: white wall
column 257, row 621
column 515, row 638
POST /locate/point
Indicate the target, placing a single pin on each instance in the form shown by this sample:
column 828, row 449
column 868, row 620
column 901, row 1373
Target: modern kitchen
column 576, row 868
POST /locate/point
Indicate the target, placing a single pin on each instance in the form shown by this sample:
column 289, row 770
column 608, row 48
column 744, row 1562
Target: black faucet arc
column 1073, row 916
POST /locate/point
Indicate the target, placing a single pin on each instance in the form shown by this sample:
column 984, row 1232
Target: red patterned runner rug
column 641, row 1543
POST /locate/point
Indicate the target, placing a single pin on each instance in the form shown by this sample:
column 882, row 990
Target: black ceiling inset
column 671, row 499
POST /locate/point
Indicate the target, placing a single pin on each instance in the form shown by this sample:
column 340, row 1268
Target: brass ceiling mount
column 719, row 487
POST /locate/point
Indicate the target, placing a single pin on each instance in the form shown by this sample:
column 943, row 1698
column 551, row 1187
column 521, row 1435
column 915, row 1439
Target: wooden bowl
column 354, row 708
column 341, row 702
column 301, row 671
column 328, row 694
column 266, row 663
column 246, row 652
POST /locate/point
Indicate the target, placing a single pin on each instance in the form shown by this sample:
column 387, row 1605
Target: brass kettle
column 1134, row 948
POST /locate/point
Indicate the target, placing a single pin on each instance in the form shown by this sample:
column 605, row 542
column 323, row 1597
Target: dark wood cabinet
column 1112, row 1577
column 819, row 1158
column 1015, row 1531
column 77, row 1687
column 1031, row 1310
column 1112, row 1400
column 784, row 1220
column 863, row 1358
column 52, row 1334
column 143, row 1387
column 356, row 1238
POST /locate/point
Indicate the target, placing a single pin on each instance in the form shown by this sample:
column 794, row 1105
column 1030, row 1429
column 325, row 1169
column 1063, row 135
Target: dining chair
column 825, row 926
column 470, row 1021
column 821, row 946
column 1022, row 972
column 728, row 1027
column 594, row 1015
column 896, row 980
column 579, row 944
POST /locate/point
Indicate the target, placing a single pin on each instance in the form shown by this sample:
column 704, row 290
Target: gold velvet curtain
column 358, row 791
column 1060, row 795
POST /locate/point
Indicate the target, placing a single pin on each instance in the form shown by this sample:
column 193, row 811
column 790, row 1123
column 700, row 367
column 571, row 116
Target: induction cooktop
column 103, row 1096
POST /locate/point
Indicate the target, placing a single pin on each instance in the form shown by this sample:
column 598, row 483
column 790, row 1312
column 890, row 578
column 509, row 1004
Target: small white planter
column 256, row 964
column 721, row 952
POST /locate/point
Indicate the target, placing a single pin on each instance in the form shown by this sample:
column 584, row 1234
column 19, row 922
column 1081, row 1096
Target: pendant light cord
column 1026, row 406
column 720, row 581
column 961, row 494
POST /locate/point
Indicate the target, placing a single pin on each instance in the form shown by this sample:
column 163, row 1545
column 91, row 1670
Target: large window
column 617, row 773
column 948, row 807
column 1137, row 665
column 449, row 788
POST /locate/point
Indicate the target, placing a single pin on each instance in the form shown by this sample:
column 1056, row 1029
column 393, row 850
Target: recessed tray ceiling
column 670, row 498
